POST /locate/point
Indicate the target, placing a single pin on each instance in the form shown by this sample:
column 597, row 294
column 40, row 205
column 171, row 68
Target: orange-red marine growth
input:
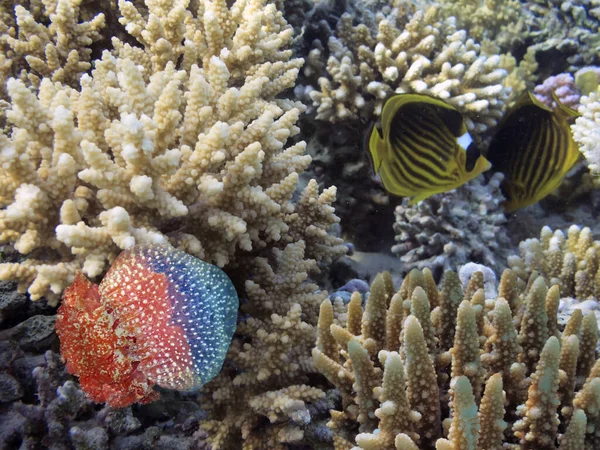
column 93, row 351
column 159, row 316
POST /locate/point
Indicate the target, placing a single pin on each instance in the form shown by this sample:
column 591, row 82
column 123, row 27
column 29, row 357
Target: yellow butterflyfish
column 534, row 149
column 423, row 148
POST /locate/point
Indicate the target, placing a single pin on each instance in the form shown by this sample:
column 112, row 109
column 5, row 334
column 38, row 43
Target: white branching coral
column 586, row 131
column 59, row 50
column 410, row 52
column 183, row 140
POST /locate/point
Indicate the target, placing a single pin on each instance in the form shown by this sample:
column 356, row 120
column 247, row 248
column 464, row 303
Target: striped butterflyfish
column 534, row 149
column 423, row 148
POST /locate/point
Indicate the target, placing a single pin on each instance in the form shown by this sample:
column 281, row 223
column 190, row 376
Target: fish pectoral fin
column 377, row 148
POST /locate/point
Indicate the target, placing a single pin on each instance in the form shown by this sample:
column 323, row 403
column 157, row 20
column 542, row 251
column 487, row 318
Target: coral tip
column 159, row 316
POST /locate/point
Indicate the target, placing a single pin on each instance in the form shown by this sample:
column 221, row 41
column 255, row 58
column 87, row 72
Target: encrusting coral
column 410, row 50
column 497, row 371
column 180, row 139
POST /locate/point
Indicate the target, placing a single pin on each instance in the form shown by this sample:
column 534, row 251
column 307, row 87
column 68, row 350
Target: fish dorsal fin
column 525, row 99
column 397, row 101
column 528, row 98
column 447, row 113
column 563, row 109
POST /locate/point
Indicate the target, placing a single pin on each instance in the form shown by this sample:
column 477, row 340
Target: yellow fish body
column 534, row 149
column 423, row 148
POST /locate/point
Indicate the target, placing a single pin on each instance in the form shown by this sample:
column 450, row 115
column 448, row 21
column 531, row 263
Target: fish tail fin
column 376, row 147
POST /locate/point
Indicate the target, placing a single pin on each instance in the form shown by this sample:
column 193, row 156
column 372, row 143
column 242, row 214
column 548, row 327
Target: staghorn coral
column 568, row 259
column 503, row 382
column 181, row 139
column 49, row 40
column 453, row 228
column 409, row 51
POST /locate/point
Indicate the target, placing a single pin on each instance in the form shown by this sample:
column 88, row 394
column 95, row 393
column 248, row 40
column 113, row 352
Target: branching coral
column 501, row 21
column 503, row 361
column 410, row 51
column 181, row 140
column 57, row 46
column 586, row 131
column 265, row 380
column 451, row 229
column 569, row 259
column 566, row 31
column 563, row 86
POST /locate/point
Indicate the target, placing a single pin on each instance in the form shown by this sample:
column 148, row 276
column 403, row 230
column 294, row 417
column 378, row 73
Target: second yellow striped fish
column 423, row 148
column 534, row 149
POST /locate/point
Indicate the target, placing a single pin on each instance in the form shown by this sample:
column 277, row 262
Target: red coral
column 93, row 351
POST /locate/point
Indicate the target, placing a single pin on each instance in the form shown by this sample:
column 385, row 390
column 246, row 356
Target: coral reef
column 265, row 396
column 500, row 21
column 182, row 129
column 569, row 259
column 409, row 51
column 453, row 228
column 179, row 140
column 497, row 374
column 183, row 137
